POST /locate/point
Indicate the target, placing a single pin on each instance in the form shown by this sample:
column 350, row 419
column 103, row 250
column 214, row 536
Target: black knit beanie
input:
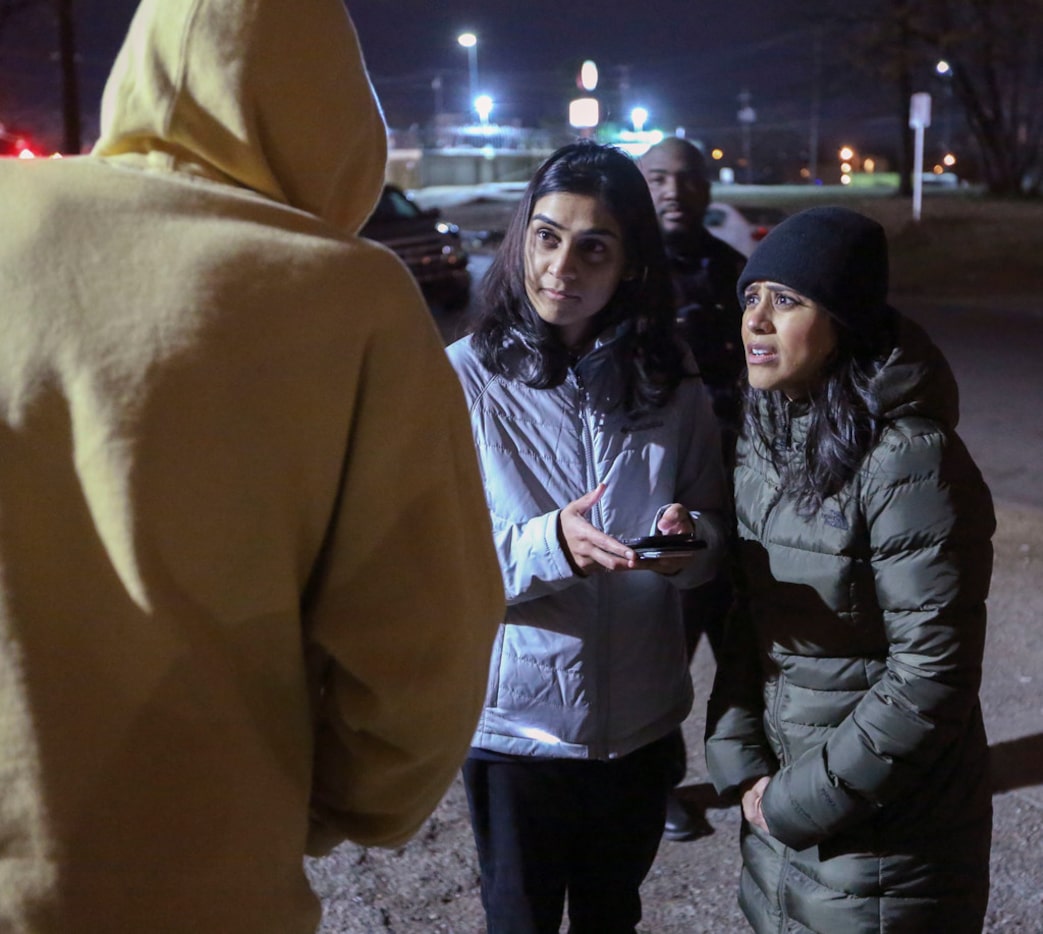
column 835, row 257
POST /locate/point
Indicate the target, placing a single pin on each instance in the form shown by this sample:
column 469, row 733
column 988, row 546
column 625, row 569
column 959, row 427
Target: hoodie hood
column 915, row 379
column 269, row 95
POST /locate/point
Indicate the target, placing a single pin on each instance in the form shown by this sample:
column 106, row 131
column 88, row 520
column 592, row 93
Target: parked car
column 743, row 225
column 428, row 245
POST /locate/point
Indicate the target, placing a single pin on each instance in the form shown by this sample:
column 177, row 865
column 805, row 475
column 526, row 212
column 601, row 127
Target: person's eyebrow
column 594, row 231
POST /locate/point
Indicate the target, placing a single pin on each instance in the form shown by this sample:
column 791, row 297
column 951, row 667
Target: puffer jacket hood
column 915, row 379
column 243, row 92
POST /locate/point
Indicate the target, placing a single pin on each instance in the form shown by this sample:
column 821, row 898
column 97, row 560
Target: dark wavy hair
column 509, row 336
column 844, row 421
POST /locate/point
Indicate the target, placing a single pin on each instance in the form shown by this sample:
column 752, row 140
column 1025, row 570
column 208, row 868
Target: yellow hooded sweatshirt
column 247, row 582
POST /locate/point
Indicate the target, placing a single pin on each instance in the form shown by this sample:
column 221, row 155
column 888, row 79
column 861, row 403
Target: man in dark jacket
column 705, row 271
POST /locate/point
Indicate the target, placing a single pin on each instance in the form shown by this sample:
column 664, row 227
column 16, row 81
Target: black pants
column 704, row 610
column 547, row 827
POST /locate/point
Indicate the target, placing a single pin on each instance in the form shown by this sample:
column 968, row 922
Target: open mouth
column 758, row 354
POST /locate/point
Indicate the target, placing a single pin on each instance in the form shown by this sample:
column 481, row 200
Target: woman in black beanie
column 845, row 711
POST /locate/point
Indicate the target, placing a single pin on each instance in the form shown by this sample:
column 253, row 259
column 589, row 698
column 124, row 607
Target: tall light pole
column 944, row 71
column 470, row 42
column 747, row 115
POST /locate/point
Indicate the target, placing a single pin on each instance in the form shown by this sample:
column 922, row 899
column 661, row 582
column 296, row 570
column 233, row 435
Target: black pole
column 72, row 141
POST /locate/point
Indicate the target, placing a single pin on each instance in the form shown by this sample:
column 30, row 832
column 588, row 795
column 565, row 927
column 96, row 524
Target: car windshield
column 394, row 205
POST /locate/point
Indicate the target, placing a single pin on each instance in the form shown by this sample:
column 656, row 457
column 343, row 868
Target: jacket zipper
column 776, row 702
column 587, row 434
column 597, row 750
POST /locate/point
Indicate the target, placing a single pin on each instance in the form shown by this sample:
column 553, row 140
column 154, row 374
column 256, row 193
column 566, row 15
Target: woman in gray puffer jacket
column 845, row 710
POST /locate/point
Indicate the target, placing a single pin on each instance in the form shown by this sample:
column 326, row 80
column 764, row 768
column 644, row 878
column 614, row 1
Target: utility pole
column 747, row 115
column 72, row 133
column 436, row 86
column 816, row 107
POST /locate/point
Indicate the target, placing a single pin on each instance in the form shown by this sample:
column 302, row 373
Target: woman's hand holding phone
column 590, row 550
column 675, row 520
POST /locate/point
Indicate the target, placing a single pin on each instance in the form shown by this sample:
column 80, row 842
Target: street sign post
column 919, row 120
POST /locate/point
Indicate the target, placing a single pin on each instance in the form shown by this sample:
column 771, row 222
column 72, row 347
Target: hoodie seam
column 182, row 66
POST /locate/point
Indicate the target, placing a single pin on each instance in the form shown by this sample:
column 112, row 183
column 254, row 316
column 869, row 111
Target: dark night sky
column 686, row 61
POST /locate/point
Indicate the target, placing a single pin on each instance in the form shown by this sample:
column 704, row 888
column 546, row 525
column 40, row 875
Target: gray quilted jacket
column 588, row 667
column 852, row 676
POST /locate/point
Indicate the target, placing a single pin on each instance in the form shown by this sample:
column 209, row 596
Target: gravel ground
column 431, row 884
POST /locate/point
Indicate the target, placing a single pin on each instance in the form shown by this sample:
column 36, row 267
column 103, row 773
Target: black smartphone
column 665, row 546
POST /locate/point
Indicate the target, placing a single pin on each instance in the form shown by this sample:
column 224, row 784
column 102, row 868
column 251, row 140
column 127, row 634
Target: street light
column 638, row 117
column 470, row 42
column 847, row 159
column 584, row 112
column 483, row 106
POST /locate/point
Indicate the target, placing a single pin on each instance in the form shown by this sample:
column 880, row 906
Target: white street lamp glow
column 584, row 112
column 483, row 106
column 467, row 39
column 638, row 117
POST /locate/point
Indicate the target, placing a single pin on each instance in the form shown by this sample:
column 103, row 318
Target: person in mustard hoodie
column 247, row 580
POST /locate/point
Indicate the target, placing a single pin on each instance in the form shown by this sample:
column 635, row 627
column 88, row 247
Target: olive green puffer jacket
column 851, row 676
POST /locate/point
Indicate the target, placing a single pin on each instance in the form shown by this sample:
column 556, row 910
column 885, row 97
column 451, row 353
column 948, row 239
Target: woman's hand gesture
column 588, row 548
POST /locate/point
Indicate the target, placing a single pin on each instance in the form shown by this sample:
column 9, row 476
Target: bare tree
column 890, row 42
column 995, row 52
